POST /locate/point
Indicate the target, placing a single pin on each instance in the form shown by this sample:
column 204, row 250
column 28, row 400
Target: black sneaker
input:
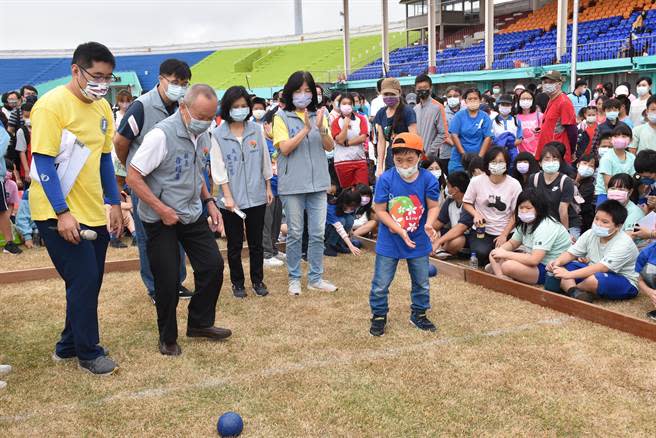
column 580, row 295
column 260, row 290
column 184, row 293
column 12, row 248
column 378, row 325
column 420, row 321
column 117, row 243
column 239, row 291
column 329, row 251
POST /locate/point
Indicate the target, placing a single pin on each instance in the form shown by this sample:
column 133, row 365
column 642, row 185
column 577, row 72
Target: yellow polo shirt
column 280, row 131
column 93, row 125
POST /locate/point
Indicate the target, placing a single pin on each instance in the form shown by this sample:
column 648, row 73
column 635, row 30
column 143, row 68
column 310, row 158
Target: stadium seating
column 17, row 72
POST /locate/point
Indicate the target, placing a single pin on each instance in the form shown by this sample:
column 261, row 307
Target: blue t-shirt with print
column 406, row 203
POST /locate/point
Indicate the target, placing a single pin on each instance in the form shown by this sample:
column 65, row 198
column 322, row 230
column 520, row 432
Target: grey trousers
column 271, row 231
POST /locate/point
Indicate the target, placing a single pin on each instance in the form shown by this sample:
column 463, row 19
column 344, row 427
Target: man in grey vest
column 142, row 115
column 166, row 173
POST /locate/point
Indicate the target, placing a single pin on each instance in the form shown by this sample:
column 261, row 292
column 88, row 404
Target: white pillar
column 575, row 42
column 347, row 48
column 298, row 17
column 431, row 36
column 489, row 34
column 561, row 30
column 385, row 32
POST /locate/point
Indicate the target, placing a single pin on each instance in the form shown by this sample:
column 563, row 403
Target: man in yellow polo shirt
column 67, row 214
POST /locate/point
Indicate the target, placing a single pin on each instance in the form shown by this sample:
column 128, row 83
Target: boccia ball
column 432, row 270
column 357, row 243
column 230, row 424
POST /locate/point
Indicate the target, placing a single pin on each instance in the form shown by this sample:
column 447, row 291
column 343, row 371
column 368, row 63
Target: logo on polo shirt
column 103, row 125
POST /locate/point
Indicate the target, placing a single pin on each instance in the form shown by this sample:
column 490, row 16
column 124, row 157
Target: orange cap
column 409, row 141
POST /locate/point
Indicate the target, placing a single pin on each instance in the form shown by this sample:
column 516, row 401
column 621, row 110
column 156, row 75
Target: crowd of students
column 533, row 185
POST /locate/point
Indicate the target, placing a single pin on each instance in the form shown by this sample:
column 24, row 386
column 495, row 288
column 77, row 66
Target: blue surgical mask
column 600, row 231
column 550, row 166
column 647, row 181
column 612, row 115
column 197, row 127
column 302, row 100
column 239, row 114
column 175, row 92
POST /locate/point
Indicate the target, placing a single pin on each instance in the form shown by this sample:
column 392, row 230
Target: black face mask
column 423, row 94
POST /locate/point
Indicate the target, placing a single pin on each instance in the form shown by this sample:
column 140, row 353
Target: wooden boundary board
column 535, row 295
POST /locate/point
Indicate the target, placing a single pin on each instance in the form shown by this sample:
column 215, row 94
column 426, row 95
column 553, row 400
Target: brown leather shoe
column 216, row 333
column 170, row 349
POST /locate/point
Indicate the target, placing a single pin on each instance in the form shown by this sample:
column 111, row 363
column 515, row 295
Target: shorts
column 542, row 269
column 611, row 286
column 3, row 197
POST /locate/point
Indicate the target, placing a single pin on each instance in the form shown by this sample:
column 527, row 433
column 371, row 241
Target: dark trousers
column 306, row 235
column 81, row 267
column 271, row 229
column 482, row 247
column 234, row 229
column 444, row 165
column 163, row 254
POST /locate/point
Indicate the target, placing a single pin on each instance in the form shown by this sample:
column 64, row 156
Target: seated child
column 646, row 269
column 611, row 255
column 339, row 221
column 585, row 180
column 539, row 232
column 365, row 223
column 406, row 203
column 453, row 222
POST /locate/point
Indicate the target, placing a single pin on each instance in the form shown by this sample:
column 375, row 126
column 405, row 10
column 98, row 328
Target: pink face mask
column 618, row 195
column 620, row 142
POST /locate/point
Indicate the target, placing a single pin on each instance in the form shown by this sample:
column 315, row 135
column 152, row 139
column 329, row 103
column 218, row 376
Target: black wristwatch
column 208, row 200
column 60, row 212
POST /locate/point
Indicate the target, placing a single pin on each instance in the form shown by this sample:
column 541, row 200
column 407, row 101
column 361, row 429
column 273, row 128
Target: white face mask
column 602, row 151
column 175, row 92
column 437, row 173
column 407, row 173
column 258, row 114
column 651, row 117
column 504, row 110
column 591, row 119
column 549, row 88
column 526, row 103
column 95, row 90
column 585, row 171
column 527, row 217
column 642, row 90
column 345, row 109
column 497, row 168
column 522, row 167
column 453, row 101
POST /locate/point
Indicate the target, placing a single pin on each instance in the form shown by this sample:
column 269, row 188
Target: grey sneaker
column 322, row 286
column 100, row 366
column 295, row 287
column 5, row 369
column 59, row 359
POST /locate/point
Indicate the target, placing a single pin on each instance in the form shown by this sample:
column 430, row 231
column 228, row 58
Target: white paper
column 648, row 222
column 69, row 161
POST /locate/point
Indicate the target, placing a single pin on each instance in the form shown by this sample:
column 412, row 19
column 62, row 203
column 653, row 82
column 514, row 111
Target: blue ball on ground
column 432, row 270
column 357, row 243
column 230, row 424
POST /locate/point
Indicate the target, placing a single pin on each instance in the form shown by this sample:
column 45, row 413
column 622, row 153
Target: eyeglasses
column 99, row 78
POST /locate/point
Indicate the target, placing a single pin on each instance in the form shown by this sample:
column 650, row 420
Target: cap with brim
column 505, row 99
column 390, row 85
column 411, row 98
column 553, row 75
column 408, row 141
column 519, row 87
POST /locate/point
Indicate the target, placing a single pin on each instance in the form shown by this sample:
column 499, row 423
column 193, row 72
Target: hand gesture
column 116, row 221
column 306, row 120
column 354, row 250
column 406, row 239
column 430, row 231
column 320, row 115
column 68, row 228
column 169, row 216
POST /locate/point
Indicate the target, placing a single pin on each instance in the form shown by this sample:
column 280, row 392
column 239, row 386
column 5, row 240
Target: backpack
column 576, row 201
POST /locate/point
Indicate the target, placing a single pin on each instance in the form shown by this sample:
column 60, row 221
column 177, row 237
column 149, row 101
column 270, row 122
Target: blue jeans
column 316, row 206
column 24, row 224
column 146, row 274
column 384, row 272
column 335, row 240
column 81, row 267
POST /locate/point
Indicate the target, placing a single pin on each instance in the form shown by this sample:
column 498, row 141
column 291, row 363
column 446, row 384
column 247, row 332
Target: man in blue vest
column 166, row 173
column 140, row 118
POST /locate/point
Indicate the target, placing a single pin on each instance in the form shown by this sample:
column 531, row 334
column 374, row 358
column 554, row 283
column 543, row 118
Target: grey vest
column 305, row 170
column 243, row 162
column 154, row 112
column 178, row 180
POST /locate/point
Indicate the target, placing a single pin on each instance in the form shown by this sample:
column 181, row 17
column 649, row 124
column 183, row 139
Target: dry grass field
column 307, row 366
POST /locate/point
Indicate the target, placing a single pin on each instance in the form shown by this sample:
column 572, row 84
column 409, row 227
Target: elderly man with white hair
column 166, row 174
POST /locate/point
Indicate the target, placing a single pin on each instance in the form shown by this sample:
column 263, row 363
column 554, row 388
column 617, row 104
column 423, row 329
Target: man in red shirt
column 559, row 122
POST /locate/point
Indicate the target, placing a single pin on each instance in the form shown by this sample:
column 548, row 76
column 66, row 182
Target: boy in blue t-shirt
column 406, row 204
